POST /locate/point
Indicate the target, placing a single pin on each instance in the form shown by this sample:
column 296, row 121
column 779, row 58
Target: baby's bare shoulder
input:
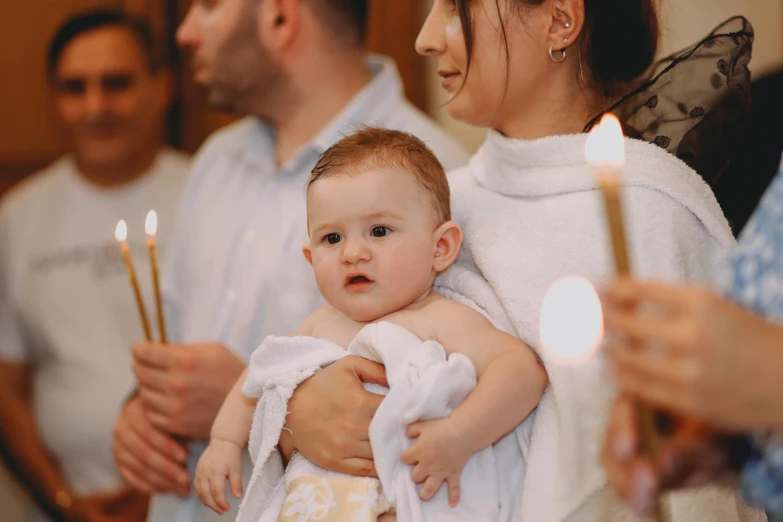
column 444, row 309
column 315, row 320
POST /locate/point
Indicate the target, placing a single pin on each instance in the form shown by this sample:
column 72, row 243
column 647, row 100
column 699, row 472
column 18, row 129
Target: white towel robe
column 424, row 384
column 531, row 214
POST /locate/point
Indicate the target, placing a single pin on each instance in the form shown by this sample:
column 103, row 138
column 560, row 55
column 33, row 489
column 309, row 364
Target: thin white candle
column 121, row 235
column 151, row 228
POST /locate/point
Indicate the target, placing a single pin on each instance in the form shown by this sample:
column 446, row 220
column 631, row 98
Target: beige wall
column 684, row 22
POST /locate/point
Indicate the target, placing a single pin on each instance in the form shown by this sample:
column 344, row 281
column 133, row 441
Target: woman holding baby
column 535, row 72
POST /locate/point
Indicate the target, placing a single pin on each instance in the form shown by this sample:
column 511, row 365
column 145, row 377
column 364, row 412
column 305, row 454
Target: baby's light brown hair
column 371, row 147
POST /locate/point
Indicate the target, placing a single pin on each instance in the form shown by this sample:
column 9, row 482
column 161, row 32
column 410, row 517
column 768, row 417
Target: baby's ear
column 308, row 253
column 448, row 240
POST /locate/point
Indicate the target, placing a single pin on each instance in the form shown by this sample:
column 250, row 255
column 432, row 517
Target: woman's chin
column 465, row 113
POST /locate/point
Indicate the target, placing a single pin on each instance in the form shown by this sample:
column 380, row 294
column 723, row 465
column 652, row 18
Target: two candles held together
column 121, row 235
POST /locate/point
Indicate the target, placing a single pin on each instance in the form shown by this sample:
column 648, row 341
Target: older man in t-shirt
column 67, row 314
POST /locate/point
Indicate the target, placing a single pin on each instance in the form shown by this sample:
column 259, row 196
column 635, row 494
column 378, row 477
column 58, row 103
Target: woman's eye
column 381, row 231
column 332, row 239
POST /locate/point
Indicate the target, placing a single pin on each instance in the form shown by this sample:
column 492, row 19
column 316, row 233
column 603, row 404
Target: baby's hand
column 221, row 461
column 438, row 455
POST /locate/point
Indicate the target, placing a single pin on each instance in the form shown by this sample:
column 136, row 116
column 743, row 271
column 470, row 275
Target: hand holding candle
column 121, row 235
column 605, row 151
column 151, row 228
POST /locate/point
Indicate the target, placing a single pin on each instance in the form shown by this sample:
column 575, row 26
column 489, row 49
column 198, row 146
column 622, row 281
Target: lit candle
column 151, row 228
column 121, row 234
column 605, row 151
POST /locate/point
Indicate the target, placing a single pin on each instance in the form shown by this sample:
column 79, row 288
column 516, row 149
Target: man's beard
column 247, row 81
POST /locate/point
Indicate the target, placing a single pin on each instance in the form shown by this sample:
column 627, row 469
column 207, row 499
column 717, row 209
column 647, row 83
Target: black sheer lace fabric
column 695, row 102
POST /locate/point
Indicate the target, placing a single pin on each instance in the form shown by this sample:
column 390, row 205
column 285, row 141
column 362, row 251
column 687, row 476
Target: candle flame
column 605, row 144
column 571, row 324
column 121, row 232
column 151, row 225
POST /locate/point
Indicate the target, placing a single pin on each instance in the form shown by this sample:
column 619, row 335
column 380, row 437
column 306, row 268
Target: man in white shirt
column 237, row 274
column 67, row 313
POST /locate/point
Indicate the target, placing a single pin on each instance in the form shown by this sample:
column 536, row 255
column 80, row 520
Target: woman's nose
column 431, row 39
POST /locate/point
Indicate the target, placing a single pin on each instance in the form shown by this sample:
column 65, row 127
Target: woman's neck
column 553, row 112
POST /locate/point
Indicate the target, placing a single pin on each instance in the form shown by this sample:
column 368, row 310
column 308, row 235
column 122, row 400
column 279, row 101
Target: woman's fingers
column 357, row 467
column 430, row 487
column 418, row 475
column 454, row 491
column 621, row 446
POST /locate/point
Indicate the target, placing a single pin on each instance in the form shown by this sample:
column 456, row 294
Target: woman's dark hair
column 617, row 44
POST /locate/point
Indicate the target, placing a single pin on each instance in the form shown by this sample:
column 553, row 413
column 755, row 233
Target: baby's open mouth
column 358, row 279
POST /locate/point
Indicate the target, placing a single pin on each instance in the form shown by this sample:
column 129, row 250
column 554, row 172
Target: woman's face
column 480, row 97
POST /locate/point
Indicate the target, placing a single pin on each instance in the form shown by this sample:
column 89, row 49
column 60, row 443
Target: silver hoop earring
column 552, row 55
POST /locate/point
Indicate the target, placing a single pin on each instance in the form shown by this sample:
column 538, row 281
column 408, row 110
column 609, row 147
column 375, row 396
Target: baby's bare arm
column 511, row 380
column 235, row 418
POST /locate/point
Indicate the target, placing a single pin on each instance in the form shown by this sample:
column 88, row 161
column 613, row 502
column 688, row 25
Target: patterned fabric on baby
column 333, row 499
column 756, row 282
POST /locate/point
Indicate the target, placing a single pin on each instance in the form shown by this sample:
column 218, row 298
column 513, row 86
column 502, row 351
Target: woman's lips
column 448, row 79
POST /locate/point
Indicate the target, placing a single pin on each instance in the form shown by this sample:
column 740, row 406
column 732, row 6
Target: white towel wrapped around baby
column 424, row 384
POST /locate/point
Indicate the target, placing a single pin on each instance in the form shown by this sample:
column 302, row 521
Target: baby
column 378, row 217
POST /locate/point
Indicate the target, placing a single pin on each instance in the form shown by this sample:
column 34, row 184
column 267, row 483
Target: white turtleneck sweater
column 531, row 214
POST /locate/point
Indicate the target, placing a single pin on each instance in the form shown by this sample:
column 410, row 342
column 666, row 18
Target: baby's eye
column 332, row 239
column 380, row 231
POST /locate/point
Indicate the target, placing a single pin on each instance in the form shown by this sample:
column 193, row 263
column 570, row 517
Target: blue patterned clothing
column 756, row 282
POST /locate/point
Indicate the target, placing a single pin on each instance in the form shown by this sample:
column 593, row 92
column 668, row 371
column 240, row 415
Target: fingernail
column 643, row 492
column 622, row 446
column 672, row 466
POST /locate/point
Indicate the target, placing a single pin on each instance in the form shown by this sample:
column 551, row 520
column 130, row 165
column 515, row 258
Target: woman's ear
column 448, row 241
column 567, row 22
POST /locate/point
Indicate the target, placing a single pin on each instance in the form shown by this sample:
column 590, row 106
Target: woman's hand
column 689, row 456
column 693, row 353
column 329, row 417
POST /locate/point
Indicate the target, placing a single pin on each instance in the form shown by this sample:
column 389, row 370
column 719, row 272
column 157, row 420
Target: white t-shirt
column 66, row 306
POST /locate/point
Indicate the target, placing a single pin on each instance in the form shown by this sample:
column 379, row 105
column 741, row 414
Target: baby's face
column 372, row 241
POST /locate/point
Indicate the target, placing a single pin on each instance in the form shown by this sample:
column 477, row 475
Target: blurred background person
column 67, row 315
